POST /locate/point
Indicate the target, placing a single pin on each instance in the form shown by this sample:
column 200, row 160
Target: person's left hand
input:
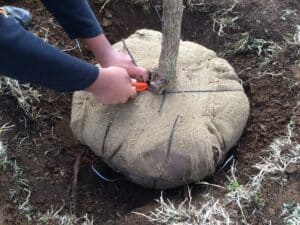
column 108, row 57
column 119, row 59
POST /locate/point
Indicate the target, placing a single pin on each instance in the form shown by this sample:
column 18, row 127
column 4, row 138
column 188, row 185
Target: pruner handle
column 140, row 86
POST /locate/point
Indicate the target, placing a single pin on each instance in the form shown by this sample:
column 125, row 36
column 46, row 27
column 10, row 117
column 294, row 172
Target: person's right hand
column 113, row 86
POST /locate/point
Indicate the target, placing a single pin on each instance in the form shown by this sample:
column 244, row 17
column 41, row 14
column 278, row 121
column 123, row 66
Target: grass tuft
column 25, row 94
column 283, row 152
column 211, row 212
column 291, row 213
column 258, row 46
column 4, row 161
column 56, row 216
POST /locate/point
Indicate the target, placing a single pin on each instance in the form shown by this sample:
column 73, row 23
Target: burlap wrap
column 164, row 143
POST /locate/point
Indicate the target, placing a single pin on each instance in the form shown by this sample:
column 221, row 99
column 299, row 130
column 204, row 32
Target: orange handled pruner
column 140, row 86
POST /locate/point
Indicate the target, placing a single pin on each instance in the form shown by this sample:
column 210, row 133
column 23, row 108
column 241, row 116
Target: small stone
column 106, row 22
column 108, row 14
column 291, row 169
column 271, row 212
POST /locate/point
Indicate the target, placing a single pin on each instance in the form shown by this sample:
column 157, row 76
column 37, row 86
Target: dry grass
column 211, row 212
column 261, row 47
column 291, row 213
column 21, row 183
column 283, row 152
column 25, row 95
column 4, row 161
column 56, row 216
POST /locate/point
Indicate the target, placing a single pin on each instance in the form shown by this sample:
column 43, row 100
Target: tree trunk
column 172, row 19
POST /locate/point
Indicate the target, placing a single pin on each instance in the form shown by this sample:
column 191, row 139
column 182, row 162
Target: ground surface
column 45, row 148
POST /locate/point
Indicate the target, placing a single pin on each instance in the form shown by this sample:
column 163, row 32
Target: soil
column 46, row 150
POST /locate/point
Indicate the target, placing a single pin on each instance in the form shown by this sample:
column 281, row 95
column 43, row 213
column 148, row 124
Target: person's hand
column 113, row 86
column 115, row 58
column 107, row 57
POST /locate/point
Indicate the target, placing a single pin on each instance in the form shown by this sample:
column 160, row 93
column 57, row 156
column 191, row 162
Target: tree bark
column 172, row 20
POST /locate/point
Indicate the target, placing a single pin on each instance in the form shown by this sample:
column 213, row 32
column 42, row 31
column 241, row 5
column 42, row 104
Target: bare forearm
column 101, row 48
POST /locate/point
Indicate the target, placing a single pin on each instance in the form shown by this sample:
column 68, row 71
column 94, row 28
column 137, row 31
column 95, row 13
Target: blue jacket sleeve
column 75, row 16
column 25, row 57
